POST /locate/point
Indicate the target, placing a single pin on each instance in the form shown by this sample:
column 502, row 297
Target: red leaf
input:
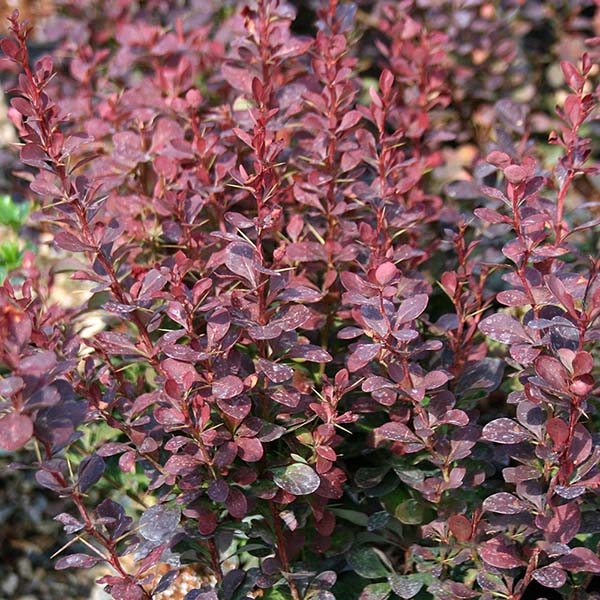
column 68, row 241
column 498, row 159
column 497, row 553
column 227, row 387
column 15, row 431
column 250, row 449
column 515, row 174
column 349, row 120
column 396, row 432
column 236, row 503
column 558, row 431
column 564, row 524
column 238, row 408
column 276, row 372
column 491, row 216
column 552, row 372
column 385, row 273
column 572, row 76
column 460, row 527
column 411, row 308
column 238, row 78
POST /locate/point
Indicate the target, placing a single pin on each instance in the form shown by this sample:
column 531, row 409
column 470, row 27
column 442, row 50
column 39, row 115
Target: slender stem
column 281, row 549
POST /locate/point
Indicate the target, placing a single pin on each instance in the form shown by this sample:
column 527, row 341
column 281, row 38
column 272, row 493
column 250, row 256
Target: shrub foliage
column 347, row 278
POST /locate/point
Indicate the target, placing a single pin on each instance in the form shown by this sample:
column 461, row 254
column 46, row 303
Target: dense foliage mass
column 344, row 272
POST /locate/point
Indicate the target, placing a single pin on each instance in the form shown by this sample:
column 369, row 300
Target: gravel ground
column 28, row 537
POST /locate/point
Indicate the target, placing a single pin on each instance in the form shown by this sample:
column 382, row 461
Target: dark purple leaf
column 218, row 490
column 580, row 560
column 166, row 581
column 158, row 523
column 236, row 503
column 90, row 471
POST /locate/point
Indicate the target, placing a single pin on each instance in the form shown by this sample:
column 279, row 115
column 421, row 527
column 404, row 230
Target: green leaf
column 376, row 591
column 409, row 512
column 365, row 562
column 10, row 254
column 275, row 594
column 378, row 520
column 353, row 516
column 12, row 214
column 405, row 586
column 298, row 479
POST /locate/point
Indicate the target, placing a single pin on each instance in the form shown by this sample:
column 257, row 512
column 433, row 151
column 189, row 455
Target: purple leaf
column 550, row 576
column 362, row 355
column 76, row 561
column 396, row 432
column 375, row 320
column 504, row 431
column 311, row 353
column 497, row 553
column 503, row 328
column 580, row 560
column 505, row 504
column 240, row 259
column 67, row 241
column 218, row 490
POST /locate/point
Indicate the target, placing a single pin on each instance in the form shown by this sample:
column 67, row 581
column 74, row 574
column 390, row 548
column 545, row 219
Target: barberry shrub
column 346, row 290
